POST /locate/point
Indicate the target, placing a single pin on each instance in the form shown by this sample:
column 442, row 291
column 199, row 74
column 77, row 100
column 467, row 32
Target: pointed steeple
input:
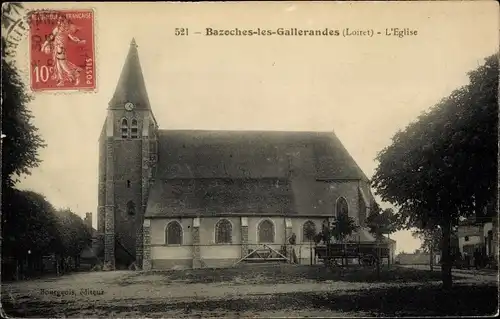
column 131, row 86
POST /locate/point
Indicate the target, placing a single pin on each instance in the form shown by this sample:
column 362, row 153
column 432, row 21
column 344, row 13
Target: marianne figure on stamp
column 56, row 44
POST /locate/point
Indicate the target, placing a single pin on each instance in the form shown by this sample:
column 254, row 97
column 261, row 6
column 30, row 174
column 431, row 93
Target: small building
column 479, row 233
column 89, row 256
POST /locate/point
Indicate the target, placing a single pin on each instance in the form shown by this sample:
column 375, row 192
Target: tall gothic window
column 308, row 231
column 131, row 208
column 342, row 207
column 266, row 232
column 223, row 232
column 134, row 129
column 173, row 233
column 124, row 128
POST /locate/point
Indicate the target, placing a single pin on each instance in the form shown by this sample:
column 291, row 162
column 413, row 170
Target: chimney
column 88, row 220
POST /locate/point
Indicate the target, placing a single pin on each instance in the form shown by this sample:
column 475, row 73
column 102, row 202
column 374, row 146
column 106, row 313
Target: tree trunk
column 42, row 265
column 57, row 264
column 446, row 256
column 29, row 266
column 378, row 260
column 17, row 269
column 22, row 267
column 431, row 254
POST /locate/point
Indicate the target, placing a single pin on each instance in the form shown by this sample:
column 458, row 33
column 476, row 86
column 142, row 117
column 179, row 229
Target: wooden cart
column 366, row 254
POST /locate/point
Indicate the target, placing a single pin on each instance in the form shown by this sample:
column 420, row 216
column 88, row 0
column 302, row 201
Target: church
column 202, row 198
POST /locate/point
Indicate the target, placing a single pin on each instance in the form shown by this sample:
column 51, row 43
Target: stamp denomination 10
column 62, row 50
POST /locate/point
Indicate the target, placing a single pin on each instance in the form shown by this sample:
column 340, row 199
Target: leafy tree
column 431, row 241
column 310, row 232
column 343, row 227
column 29, row 223
column 428, row 168
column 382, row 222
column 32, row 228
column 29, row 227
column 325, row 234
column 75, row 235
column 27, row 218
column 21, row 142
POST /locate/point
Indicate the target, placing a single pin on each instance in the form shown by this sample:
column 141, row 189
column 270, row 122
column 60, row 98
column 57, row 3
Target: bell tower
column 127, row 158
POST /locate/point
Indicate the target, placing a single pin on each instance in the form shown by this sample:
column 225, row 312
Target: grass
column 155, row 299
column 282, row 274
column 426, row 300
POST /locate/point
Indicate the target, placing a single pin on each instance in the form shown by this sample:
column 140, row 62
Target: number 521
column 181, row 31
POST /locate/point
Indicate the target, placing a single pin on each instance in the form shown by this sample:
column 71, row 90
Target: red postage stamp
column 62, row 55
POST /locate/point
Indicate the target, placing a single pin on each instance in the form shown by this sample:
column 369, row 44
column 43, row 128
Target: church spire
column 131, row 86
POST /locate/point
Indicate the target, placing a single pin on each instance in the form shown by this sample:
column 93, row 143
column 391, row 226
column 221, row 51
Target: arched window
column 223, row 232
column 124, row 128
column 134, row 129
column 266, row 232
column 131, row 208
column 342, row 207
column 173, row 233
column 308, row 231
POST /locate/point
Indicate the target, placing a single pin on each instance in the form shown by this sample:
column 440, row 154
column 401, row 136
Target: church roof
column 247, row 172
column 216, row 197
column 131, row 86
column 254, row 154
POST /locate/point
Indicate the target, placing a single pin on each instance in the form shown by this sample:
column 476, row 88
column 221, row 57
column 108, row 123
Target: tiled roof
column 195, row 197
column 254, row 154
column 247, row 172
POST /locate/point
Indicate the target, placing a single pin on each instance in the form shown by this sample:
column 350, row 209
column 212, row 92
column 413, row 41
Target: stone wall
column 413, row 259
column 146, row 237
column 199, row 249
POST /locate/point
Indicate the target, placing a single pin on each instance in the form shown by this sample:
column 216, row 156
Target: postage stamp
column 62, row 50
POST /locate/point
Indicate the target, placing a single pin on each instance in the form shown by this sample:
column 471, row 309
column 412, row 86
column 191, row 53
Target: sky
column 363, row 88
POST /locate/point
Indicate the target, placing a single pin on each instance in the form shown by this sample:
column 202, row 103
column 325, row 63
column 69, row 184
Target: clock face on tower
column 129, row 106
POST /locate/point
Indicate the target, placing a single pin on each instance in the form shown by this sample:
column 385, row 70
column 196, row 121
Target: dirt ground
column 250, row 291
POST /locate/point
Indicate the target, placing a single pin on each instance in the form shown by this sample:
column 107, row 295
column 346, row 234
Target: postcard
column 253, row 159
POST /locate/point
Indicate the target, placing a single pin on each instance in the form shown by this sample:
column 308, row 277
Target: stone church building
column 199, row 198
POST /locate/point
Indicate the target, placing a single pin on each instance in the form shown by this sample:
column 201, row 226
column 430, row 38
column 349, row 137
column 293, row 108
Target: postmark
column 62, row 50
column 14, row 27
